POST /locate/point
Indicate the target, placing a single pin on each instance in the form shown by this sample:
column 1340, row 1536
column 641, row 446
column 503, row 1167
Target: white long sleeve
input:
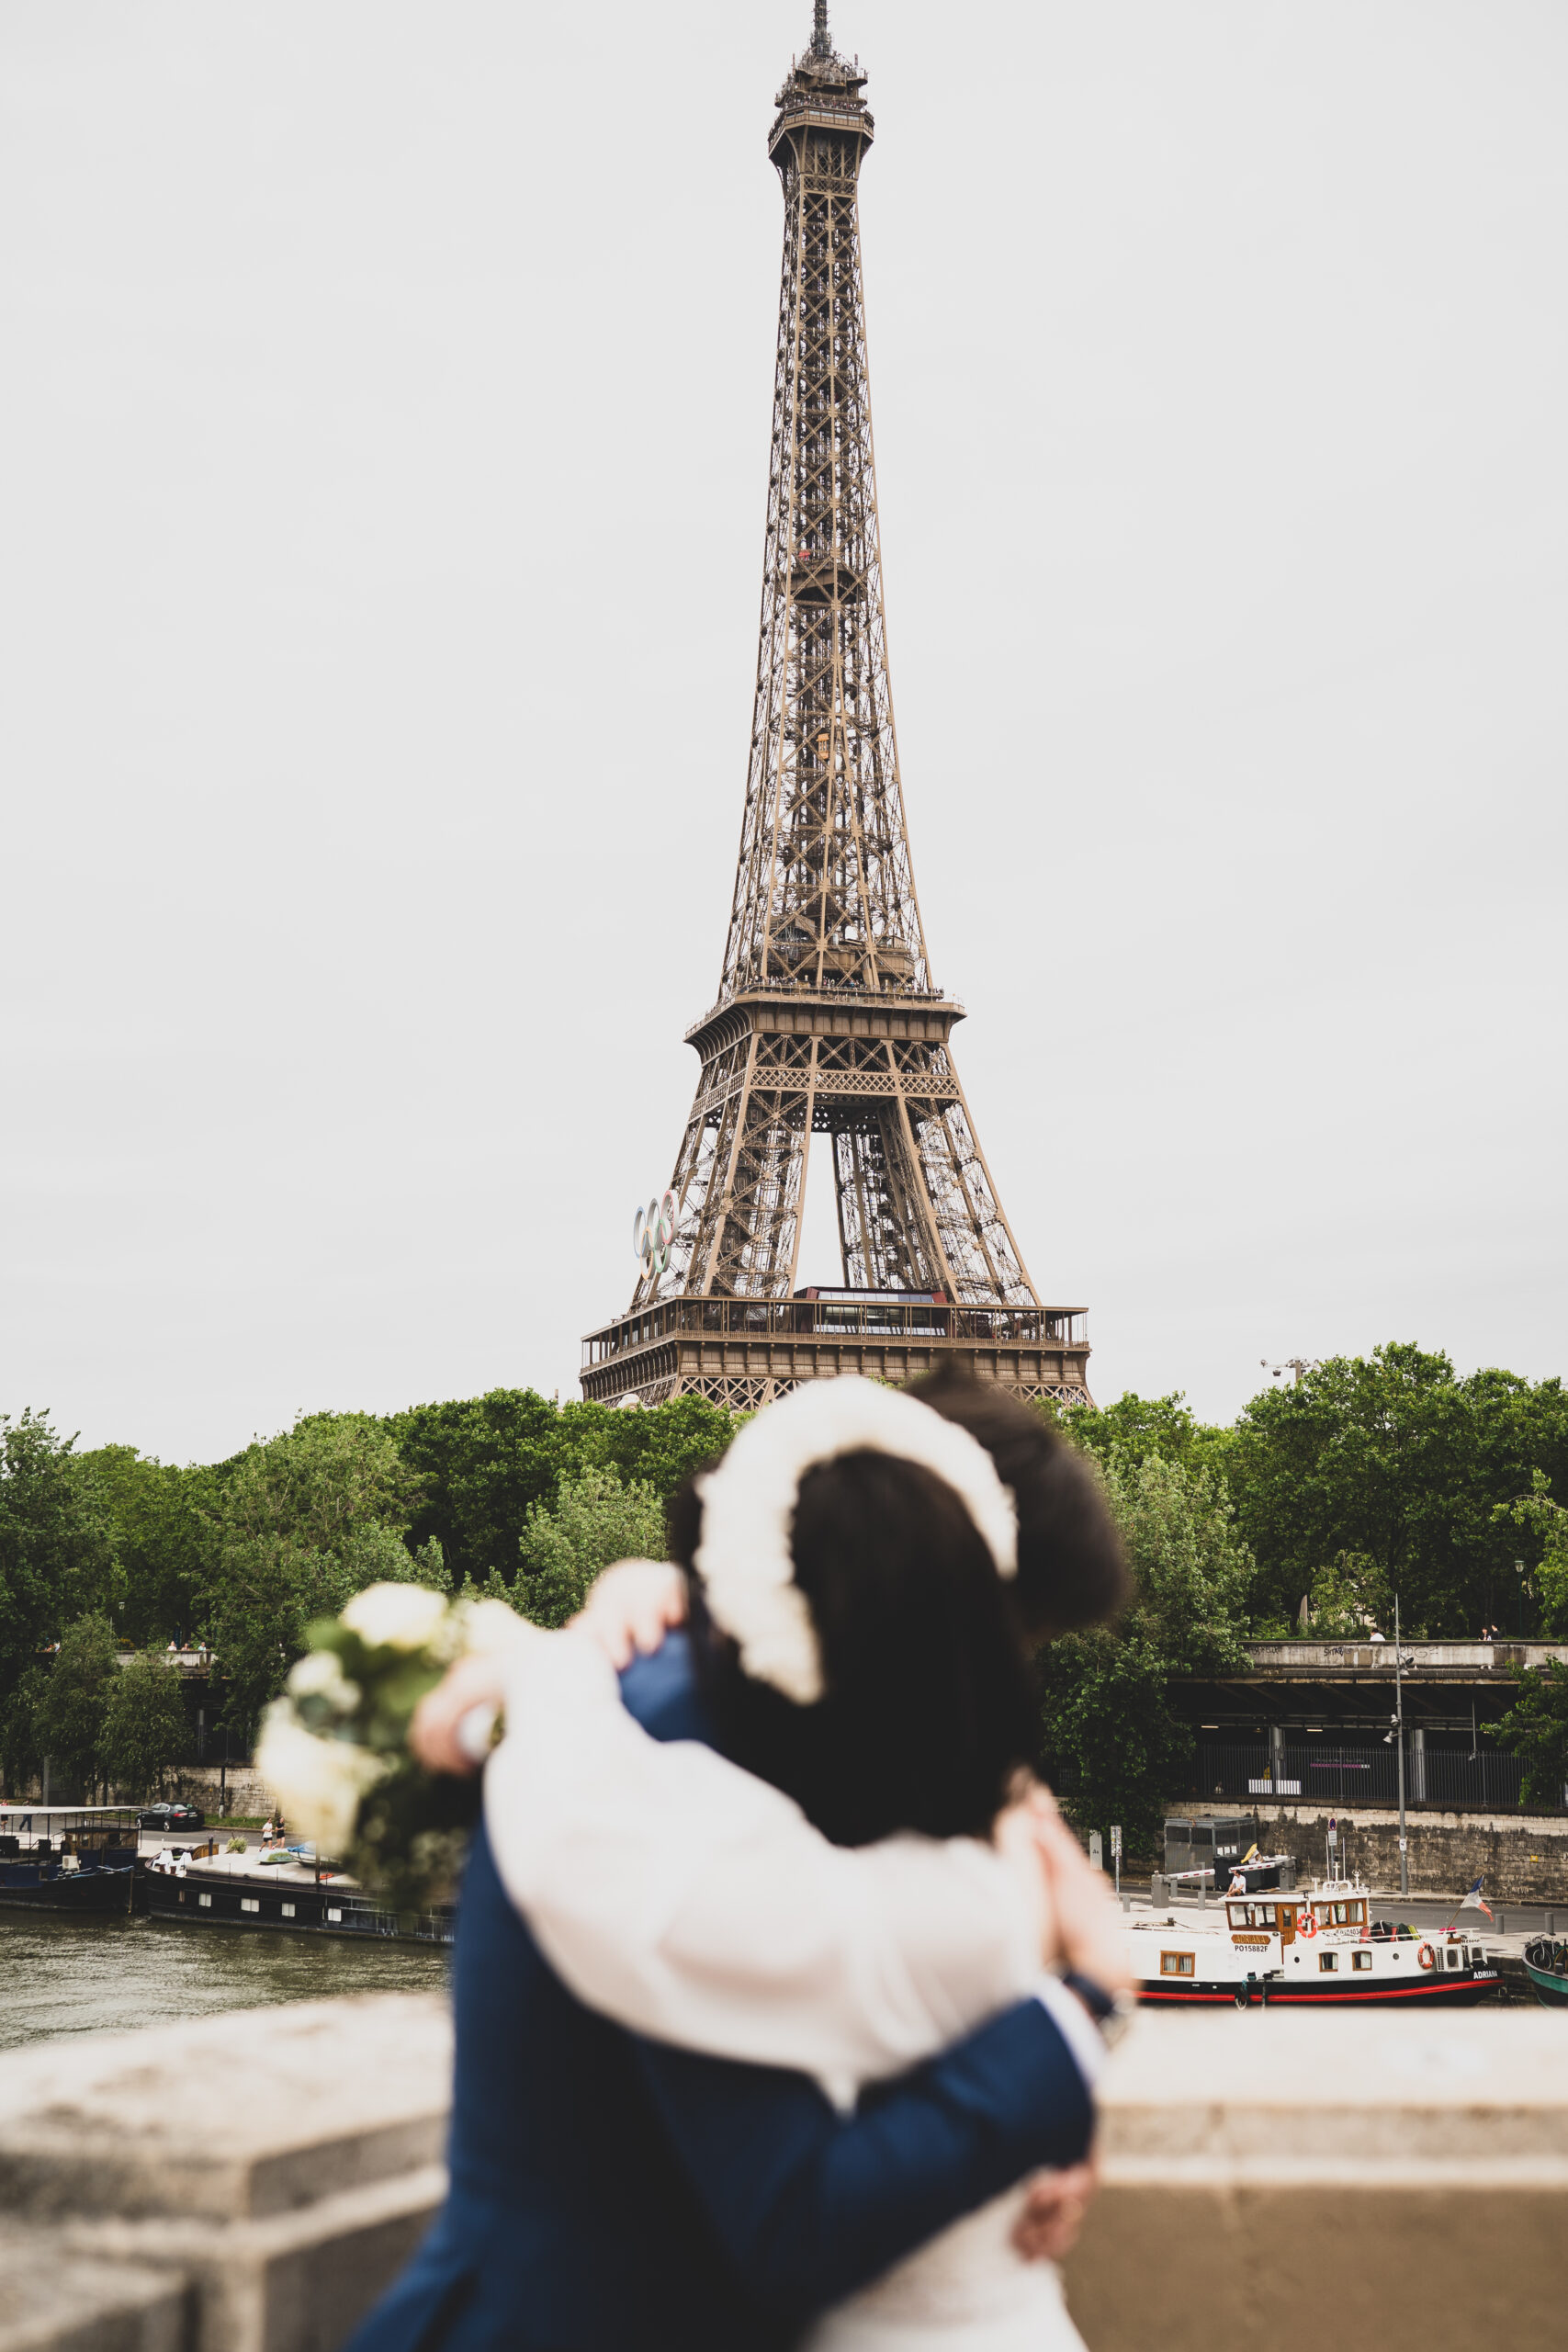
column 692, row 1902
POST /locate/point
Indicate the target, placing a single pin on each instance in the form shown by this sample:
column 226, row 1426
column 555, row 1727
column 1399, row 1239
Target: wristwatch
column 1113, row 2012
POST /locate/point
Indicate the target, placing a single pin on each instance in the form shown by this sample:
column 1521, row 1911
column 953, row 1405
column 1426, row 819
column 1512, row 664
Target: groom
column 608, row 2192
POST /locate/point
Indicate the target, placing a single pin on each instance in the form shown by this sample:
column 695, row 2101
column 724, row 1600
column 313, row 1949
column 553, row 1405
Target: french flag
column 1473, row 1901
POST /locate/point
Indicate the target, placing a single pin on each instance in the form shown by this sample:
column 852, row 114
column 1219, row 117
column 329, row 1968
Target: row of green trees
column 99, row 1722
column 505, row 1493
column 1373, row 1478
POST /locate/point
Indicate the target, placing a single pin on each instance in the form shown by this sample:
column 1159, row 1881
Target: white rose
column 319, row 1783
column 396, row 1616
column 320, row 1675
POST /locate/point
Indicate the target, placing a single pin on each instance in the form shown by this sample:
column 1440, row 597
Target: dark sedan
column 170, row 1816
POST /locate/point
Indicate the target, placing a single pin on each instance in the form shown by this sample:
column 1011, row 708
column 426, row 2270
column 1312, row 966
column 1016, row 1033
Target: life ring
column 1427, row 1956
column 1306, row 1924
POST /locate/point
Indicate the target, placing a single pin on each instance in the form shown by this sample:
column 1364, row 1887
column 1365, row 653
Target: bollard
column 1156, row 1891
column 1502, row 1920
column 1551, row 1923
column 1127, row 1900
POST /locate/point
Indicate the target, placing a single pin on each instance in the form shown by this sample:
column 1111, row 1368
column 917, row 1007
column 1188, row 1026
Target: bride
column 847, row 1887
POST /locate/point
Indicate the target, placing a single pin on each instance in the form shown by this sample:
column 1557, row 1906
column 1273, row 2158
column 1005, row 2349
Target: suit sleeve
column 808, row 2205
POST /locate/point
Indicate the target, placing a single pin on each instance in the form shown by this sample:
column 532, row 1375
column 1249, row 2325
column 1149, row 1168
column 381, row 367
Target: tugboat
column 67, row 1858
column 1321, row 1948
column 1546, row 1965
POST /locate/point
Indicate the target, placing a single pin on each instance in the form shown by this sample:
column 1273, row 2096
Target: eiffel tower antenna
column 828, row 1025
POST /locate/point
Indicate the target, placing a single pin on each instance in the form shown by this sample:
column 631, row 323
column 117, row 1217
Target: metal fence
column 1360, row 1775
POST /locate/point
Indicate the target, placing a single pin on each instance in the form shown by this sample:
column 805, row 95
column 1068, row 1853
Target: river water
column 63, row 1975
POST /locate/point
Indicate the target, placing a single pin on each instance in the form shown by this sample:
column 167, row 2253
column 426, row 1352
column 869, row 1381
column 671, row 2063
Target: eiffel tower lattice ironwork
column 827, row 1024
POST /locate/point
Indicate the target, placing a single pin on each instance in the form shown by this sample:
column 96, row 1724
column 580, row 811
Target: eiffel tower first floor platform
column 742, row 1352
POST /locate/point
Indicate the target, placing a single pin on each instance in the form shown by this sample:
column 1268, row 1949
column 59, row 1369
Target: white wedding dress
column 967, row 2286
column 694, row 1903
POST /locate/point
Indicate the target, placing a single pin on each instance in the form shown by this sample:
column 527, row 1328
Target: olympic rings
column 653, row 1230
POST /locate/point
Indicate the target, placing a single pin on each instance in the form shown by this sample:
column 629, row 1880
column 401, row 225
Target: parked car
column 170, row 1816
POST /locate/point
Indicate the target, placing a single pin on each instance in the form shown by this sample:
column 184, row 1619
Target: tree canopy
column 143, row 1727
column 58, row 1556
column 1374, row 1477
column 1109, row 1733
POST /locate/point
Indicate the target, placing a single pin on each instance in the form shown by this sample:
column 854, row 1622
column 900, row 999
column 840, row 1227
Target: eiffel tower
column 827, row 1023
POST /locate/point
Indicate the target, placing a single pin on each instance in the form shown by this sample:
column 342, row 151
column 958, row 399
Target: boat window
column 1360, row 1960
column 249, row 1903
column 1176, row 1963
column 288, row 1910
column 205, row 1901
column 1358, row 1910
column 1341, row 1913
column 1453, row 1957
column 1324, row 1914
column 1327, row 1961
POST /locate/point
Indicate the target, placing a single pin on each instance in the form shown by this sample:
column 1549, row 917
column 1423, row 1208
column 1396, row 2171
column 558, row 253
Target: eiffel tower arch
column 828, row 1025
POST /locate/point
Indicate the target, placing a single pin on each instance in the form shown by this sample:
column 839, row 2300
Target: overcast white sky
column 383, row 426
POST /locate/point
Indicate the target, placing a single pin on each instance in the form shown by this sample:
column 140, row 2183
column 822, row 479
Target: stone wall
column 1522, row 1857
column 198, row 1785
column 250, row 2182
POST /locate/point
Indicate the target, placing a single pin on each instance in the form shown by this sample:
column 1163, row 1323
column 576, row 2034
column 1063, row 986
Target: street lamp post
column 1399, row 1736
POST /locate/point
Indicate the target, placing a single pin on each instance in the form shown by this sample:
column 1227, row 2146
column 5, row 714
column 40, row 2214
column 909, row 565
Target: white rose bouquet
column 334, row 1749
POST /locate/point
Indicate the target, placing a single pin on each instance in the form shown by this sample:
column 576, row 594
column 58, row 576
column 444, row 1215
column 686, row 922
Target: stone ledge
column 294, row 2282
column 1183, row 2266
column 1263, row 2172
column 231, row 2117
column 84, row 2306
column 1268, row 2176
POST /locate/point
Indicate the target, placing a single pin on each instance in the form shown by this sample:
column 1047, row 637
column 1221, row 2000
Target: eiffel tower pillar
column 827, row 1023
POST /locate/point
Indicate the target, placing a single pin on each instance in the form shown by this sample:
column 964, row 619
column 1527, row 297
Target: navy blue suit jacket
column 610, row 2192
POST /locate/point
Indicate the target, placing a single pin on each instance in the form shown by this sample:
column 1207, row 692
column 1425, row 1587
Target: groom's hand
column 1053, row 2211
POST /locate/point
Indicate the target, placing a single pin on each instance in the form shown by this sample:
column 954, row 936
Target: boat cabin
column 1286, row 1917
column 95, row 1833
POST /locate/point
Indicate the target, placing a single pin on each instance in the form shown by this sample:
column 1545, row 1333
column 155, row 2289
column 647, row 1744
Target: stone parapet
column 250, row 2182
column 1275, row 2178
column 270, row 2169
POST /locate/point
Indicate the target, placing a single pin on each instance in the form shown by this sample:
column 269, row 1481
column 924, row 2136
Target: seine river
column 106, row 1976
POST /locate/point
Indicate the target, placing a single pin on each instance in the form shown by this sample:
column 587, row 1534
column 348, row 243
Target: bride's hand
column 1053, row 2211
column 1089, row 1928
column 473, row 1681
column 631, row 1607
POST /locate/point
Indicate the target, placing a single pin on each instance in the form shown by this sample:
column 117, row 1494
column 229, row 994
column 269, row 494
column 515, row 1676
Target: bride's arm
column 695, row 1904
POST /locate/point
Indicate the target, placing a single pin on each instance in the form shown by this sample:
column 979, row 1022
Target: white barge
column 1321, row 1947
